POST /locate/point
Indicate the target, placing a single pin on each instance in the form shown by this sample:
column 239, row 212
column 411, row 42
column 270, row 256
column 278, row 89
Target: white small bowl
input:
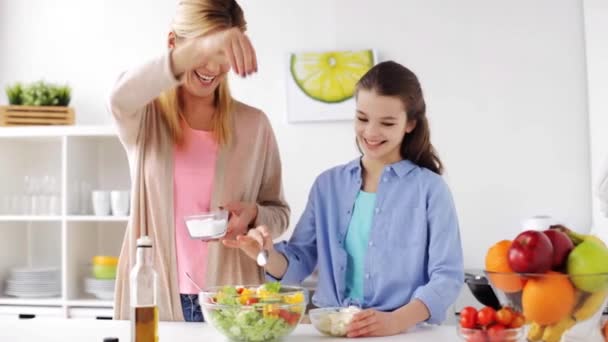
column 332, row 321
column 208, row 225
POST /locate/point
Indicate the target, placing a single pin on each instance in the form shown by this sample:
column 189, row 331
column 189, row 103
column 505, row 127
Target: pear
column 587, row 266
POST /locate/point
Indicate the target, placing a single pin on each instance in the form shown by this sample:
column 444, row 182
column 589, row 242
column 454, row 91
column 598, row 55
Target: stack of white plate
column 33, row 282
column 100, row 288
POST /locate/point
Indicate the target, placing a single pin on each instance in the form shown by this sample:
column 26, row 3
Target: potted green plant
column 37, row 103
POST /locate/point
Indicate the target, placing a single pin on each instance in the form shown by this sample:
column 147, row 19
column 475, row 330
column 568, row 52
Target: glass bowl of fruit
column 254, row 313
column 557, row 279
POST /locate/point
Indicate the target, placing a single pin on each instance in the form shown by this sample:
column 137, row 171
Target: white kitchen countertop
column 63, row 330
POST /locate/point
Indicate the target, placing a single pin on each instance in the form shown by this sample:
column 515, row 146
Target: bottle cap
column 110, row 339
column 144, row 241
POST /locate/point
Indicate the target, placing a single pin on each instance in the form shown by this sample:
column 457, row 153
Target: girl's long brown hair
column 393, row 79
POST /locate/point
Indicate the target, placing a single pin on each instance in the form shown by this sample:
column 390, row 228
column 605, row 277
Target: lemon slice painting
column 330, row 77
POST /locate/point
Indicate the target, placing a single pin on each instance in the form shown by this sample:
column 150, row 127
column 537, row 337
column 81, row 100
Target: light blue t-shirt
column 355, row 245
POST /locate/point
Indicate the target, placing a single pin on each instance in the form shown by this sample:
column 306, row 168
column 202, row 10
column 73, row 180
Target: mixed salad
column 259, row 314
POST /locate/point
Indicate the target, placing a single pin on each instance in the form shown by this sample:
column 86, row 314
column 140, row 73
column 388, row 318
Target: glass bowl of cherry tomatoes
column 490, row 325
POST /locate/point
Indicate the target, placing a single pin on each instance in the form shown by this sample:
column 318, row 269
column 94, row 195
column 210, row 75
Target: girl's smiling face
column 380, row 125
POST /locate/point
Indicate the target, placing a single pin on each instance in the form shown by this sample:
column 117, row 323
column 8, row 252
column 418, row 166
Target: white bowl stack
column 33, row 282
column 100, row 288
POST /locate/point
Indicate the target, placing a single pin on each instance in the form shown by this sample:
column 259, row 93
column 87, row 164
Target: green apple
column 588, row 266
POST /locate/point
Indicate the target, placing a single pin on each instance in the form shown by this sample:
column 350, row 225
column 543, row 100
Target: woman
column 382, row 229
column 192, row 148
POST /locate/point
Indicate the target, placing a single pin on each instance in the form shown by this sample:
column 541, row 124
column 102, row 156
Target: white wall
column 596, row 27
column 504, row 81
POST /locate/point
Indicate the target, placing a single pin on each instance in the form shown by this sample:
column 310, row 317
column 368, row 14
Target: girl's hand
column 374, row 323
column 242, row 214
column 253, row 242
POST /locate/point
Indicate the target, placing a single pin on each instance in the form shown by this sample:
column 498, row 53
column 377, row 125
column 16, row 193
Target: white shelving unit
column 81, row 159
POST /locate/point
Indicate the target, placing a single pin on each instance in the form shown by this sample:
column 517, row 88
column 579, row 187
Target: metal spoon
column 262, row 258
column 193, row 282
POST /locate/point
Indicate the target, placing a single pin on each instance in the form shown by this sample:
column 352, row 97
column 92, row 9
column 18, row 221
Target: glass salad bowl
column 262, row 313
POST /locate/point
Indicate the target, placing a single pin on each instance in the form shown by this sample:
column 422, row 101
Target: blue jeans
column 191, row 308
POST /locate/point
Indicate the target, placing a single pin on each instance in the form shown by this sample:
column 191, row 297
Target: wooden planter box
column 33, row 116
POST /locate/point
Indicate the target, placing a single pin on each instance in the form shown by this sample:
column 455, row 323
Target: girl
column 382, row 229
column 192, row 148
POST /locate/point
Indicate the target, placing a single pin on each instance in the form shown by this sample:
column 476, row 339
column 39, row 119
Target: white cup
column 120, row 202
column 101, row 202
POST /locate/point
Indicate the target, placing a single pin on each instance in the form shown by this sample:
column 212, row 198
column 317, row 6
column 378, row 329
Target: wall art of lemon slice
column 330, row 77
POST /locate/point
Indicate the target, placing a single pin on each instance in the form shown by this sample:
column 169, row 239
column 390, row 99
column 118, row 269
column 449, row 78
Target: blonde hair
column 195, row 18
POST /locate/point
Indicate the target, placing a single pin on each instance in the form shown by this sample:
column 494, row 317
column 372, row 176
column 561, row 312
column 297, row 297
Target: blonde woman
column 192, row 147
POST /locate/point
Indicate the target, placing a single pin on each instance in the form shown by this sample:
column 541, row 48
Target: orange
column 548, row 298
column 497, row 260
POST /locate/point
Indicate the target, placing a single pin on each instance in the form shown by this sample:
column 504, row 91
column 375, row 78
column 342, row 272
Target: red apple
column 562, row 245
column 531, row 252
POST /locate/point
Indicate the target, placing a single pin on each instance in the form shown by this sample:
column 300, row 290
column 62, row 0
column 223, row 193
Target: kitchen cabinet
column 46, row 217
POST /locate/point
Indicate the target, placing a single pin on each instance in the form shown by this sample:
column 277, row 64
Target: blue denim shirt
column 414, row 248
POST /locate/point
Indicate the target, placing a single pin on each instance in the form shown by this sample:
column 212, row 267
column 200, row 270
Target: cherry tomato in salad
column 251, row 301
column 295, row 318
column 290, row 317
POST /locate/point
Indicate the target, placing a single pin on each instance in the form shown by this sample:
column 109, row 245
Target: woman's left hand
column 371, row 322
column 242, row 214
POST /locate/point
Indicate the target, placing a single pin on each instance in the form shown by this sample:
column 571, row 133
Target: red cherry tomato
column 496, row 333
column 290, row 317
column 504, row 316
column 468, row 317
column 486, row 316
column 467, row 322
column 240, row 290
column 477, row 336
column 295, row 317
column 251, row 301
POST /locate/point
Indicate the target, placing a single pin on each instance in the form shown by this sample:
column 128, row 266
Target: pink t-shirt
column 193, row 173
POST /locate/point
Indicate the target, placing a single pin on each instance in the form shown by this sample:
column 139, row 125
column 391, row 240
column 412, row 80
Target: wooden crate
column 33, row 116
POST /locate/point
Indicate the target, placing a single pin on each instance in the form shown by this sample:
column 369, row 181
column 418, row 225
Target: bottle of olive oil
column 143, row 286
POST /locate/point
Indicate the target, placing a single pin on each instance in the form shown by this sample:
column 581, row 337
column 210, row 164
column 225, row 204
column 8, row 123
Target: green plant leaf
column 41, row 93
column 14, row 94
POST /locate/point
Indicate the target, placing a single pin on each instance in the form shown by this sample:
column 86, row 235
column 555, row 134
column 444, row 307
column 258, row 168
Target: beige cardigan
column 248, row 170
